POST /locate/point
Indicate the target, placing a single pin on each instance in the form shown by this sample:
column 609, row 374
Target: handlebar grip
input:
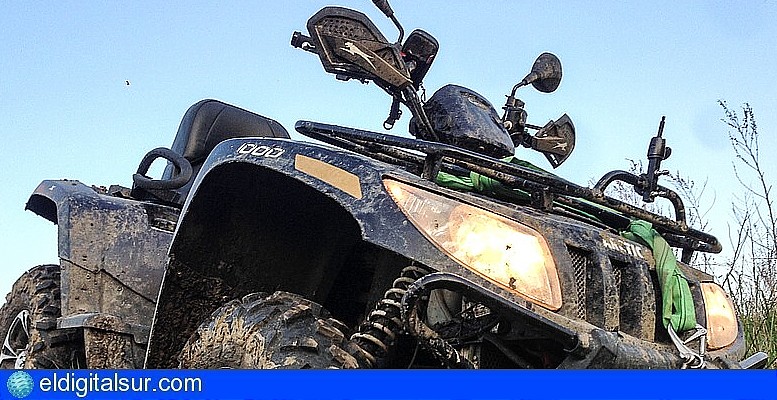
column 304, row 42
column 298, row 39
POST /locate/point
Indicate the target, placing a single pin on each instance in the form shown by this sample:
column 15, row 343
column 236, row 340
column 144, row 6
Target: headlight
column 722, row 327
column 511, row 255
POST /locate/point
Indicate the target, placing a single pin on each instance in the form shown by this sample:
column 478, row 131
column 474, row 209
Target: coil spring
column 377, row 333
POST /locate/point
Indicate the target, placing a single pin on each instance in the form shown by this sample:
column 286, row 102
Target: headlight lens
column 722, row 327
column 512, row 255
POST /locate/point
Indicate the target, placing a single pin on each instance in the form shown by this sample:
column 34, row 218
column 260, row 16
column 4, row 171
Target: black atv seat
column 210, row 122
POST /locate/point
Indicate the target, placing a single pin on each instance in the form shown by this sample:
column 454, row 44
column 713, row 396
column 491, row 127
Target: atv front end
column 476, row 282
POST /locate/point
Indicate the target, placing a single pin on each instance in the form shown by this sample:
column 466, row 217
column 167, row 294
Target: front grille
column 613, row 294
column 636, row 301
column 590, row 287
column 580, row 262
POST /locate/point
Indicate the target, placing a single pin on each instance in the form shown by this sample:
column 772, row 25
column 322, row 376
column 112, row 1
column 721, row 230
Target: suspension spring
column 377, row 334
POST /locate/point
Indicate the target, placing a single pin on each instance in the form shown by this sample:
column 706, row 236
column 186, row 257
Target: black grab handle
column 181, row 176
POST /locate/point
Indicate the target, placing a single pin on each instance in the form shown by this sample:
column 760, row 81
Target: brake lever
column 394, row 114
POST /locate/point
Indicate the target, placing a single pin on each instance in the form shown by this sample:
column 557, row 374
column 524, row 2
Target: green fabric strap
column 492, row 187
column 483, row 184
column 677, row 308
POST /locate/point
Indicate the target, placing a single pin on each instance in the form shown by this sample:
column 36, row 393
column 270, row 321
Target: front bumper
column 586, row 345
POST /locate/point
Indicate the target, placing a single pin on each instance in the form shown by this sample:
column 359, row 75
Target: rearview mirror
column 548, row 68
column 419, row 51
column 545, row 74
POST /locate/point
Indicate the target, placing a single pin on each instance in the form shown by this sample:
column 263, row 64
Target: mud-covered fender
column 309, row 195
column 273, row 214
column 112, row 252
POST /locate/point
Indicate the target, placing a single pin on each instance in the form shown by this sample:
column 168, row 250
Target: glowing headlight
column 512, row 255
column 722, row 328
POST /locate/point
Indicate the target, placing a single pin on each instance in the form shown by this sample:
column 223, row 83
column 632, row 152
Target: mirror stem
column 399, row 27
column 518, row 86
column 385, row 8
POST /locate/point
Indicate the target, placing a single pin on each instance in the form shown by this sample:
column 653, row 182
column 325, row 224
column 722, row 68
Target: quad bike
column 371, row 250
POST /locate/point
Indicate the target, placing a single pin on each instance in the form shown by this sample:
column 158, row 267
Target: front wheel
column 281, row 331
column 29, row 324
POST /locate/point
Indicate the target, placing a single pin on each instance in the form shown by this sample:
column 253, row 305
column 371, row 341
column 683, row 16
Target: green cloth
column 677, row 309
column 493, row 188
column 483, row 184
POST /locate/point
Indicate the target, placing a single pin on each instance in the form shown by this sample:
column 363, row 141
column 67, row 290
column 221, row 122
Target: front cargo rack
column 429, row 158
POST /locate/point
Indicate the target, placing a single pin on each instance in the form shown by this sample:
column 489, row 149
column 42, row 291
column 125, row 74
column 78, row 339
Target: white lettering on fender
column 623, row 246
column 260, row 150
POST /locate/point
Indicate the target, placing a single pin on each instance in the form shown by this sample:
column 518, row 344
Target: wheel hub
column 17, row 340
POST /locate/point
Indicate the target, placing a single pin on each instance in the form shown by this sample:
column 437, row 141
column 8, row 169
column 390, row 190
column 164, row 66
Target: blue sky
column 66, row 111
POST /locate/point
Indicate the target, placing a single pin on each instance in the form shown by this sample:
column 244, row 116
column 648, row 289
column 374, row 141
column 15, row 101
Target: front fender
column 272, row 214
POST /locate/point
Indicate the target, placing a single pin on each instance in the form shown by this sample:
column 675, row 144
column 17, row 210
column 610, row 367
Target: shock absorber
column 378, row 332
